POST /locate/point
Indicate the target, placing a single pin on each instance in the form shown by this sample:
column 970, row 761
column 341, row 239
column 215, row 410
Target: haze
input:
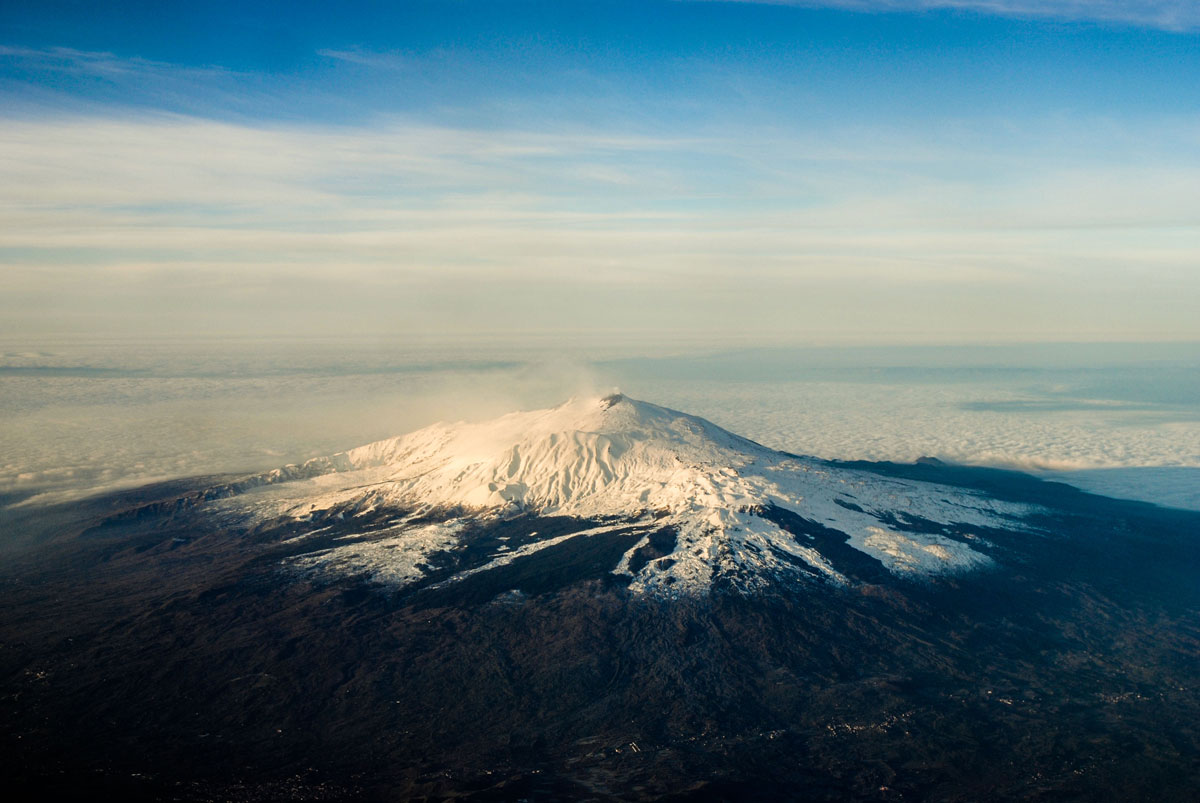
column 233, row 236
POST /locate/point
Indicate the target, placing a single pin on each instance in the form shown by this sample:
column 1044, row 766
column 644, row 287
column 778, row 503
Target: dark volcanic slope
column 156, row 657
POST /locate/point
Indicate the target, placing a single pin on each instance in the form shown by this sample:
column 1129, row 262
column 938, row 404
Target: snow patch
column 397, row 561
column 923, row 554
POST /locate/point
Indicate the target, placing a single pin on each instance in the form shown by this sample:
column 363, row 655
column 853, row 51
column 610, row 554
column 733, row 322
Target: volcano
column 735, row 514
column 608, row 599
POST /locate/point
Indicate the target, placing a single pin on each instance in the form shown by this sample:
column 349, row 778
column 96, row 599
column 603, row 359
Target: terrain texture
column 607, row 600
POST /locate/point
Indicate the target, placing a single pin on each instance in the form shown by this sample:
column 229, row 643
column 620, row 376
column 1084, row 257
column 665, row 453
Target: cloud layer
column 147, row 217
column 1171, row 15
column 189, row 408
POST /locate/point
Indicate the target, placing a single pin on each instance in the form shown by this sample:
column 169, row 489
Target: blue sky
column 913, row 170
column 788, row 63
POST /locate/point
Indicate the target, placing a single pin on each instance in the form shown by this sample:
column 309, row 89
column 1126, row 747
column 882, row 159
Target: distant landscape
column 547, row 400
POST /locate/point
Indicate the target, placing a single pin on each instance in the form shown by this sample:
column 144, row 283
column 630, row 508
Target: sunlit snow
column 621, row 459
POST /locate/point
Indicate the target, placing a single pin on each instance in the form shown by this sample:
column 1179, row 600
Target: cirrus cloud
column 1171, row 15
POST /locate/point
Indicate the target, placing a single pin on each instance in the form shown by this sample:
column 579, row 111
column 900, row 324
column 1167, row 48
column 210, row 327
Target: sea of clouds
column 78, row 418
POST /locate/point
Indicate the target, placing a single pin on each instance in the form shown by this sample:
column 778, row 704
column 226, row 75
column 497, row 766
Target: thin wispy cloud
column 1171, row 15
column 102, row 64
column 383, row 60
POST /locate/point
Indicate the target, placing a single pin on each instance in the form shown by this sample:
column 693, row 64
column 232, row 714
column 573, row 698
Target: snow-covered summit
column 618, row 459
column 589, row 456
